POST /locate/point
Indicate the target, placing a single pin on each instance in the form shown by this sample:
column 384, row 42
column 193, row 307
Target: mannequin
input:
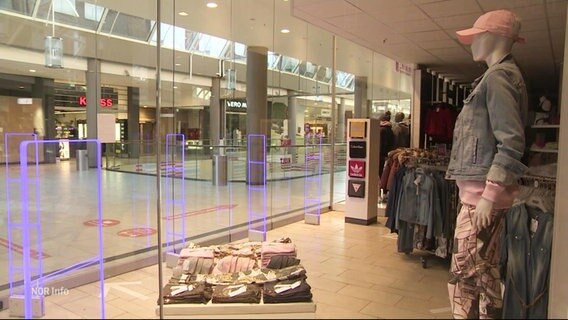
column 486, row 163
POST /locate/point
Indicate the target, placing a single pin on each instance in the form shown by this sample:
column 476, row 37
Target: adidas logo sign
column 356, row 168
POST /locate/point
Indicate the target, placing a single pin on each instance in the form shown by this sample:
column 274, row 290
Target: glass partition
column 203, row 98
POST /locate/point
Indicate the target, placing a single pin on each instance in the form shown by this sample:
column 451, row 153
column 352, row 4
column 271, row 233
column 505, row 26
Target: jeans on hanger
column 528, row 263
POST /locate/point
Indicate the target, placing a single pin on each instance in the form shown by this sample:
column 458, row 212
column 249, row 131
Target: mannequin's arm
column 503, row 104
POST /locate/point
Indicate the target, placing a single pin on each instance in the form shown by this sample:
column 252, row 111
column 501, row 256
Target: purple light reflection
column 311, row 181
column 7, row 137
column 24, row 189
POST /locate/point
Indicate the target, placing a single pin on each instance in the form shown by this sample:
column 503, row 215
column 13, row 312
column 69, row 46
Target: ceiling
column 423, row 32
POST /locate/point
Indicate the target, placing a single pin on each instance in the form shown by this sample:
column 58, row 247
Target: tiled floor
column 355, row 272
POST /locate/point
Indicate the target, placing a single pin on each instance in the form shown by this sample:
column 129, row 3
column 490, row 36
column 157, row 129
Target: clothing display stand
column 220, row 271
column 363, row 140
column 241, row 311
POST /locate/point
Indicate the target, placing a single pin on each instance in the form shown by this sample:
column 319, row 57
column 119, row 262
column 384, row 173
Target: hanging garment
column 527, row 245
column 475, row 283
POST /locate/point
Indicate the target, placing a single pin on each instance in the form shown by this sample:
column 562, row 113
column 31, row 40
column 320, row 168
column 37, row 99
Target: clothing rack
column 537, row 181
column 431, row 162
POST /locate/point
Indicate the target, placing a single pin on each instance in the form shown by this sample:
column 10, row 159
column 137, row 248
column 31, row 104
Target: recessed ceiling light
column 183, row 13
column 32, row 70
column 145, row 106
column 175, row 87
column 21, row 87
column 285, row 30
column 178, row 64
column 212, row 4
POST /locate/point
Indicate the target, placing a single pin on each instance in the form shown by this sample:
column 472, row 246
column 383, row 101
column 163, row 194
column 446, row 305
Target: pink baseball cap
column 501, row 22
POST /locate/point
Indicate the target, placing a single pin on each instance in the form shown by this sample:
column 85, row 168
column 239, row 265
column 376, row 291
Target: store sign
column 235, row 105
column 356, row 189
column 25, row 101
column 325, row 113
column 358, row 149
column 357, row 169
column 403, row 68
column 104, row 102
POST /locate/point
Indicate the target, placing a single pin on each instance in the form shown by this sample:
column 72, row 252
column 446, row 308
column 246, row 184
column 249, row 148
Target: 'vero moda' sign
column 104, row 102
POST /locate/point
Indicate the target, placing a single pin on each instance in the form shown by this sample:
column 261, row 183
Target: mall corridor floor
column 355, row 272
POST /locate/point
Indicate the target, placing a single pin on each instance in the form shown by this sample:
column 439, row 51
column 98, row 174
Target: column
column 215, row 113
column 133, row 121
column 558, row 291
column 292, row 124
column 257, row 62
column 44, row 89
column 93, row 98
column 360, row 97
column 340, row 121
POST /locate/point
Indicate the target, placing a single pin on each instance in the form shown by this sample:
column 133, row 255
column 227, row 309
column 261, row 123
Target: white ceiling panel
column 376, row 5
column 557, row 22
column 461, row 21
column 396, row 14
column 489, row 5
column 439, row 44
column 453, row 52
column 304, row 3
column 556, row 8
column 450, row 8
column 413, row 26
column 536, row 24
column 430, row 25
column 331, row 8
column 535, row 38
column 421, row 37
column 531, row 12
column 427, row 1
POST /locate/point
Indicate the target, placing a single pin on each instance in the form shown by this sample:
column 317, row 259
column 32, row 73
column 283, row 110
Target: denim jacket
column 489, row 138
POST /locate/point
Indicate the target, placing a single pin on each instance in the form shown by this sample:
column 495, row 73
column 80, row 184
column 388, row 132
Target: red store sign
column 104, row 103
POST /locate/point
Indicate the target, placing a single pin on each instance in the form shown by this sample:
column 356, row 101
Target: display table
column 240, row 311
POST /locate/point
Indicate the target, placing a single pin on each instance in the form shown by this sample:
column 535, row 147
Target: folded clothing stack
column 258, row 276
column 271, row 249
column 230, row 264
column 287, row 291
column 193, row 293
column 280, row 262
column 197, row 265
column 240, row 293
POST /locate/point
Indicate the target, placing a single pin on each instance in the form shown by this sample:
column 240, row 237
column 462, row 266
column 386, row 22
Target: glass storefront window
column 289, row 64
column 76, row 13
column 124, row 25
column 25, row 7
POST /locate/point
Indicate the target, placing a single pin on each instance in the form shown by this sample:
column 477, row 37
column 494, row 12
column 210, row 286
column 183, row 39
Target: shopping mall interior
column 142, row 139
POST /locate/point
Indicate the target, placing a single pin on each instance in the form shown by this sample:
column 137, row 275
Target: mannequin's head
column 486, row 46
column 492, row 35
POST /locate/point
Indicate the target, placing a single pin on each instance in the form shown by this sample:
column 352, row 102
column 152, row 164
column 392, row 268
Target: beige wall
column 558, row 306
column 22, row 118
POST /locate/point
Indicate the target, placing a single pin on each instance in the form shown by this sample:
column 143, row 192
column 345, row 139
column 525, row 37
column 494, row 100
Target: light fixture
column 178, row 64
column 21, row 87
column 53, row 46
column 145, row 107
column 212, row 4
column 285, row 30
column 183, row 13
column 175, row 87
column 32, row 70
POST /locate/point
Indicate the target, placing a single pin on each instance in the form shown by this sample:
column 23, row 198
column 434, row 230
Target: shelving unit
column 544, row 150
column 543, row 128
